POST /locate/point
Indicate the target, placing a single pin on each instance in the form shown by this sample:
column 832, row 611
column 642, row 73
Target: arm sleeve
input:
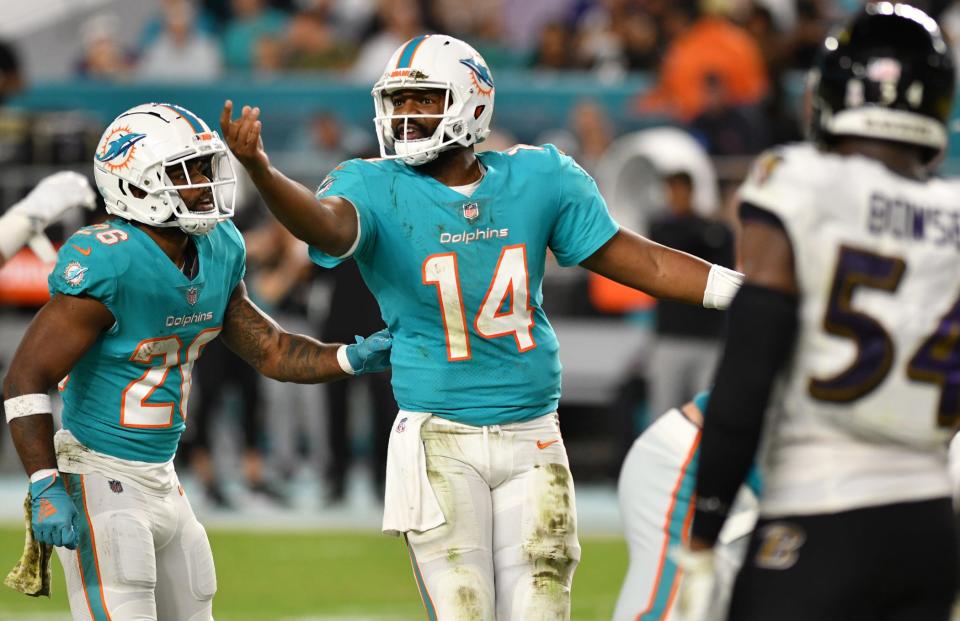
column 702, row 401
column 762, row 329
column 583, row 223
column 348, row 182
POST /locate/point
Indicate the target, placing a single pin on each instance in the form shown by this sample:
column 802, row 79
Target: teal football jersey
column 458, row 278
column 127, row 396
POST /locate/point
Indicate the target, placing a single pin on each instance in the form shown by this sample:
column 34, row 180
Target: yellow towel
column 31, row 575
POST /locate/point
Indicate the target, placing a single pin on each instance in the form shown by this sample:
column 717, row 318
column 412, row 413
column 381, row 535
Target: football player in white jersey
column 49, row 201
column 843, row 359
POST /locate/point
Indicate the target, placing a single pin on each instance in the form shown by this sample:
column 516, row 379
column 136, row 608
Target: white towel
column 409, row 502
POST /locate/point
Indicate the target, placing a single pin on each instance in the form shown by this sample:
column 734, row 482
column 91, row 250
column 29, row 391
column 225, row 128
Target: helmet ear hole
column 128, row 189
column 136, row 192
column 478, row 111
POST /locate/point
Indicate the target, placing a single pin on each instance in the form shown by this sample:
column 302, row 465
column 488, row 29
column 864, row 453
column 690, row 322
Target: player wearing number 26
column 134, row 302
column 453, row 245
column 843, row 344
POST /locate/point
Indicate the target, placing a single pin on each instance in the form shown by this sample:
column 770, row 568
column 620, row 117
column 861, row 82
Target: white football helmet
column 435, row 62
column 130, row 168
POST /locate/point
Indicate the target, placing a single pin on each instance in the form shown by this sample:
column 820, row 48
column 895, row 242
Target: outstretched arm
column 329, row 224
column 287, row 357
column 663, row 272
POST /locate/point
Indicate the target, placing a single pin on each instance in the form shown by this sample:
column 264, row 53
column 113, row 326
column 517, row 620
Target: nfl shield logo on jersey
column 471, row 211
column 192, row 294
column 116, row 487
column 402, row 425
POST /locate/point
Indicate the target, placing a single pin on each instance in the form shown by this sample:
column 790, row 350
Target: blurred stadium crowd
column 721, row 81
column 186, row 41
column 721, row 65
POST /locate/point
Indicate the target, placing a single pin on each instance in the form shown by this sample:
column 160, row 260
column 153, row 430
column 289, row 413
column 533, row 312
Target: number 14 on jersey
column 510, row 278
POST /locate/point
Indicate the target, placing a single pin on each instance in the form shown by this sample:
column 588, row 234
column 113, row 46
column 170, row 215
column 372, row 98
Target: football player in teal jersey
column 453, row 245
column 134, row 302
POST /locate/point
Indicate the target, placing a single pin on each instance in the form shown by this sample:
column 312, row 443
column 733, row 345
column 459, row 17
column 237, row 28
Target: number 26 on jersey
column 510, row 278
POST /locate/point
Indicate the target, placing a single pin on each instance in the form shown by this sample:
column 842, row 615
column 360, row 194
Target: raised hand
column 243, row 137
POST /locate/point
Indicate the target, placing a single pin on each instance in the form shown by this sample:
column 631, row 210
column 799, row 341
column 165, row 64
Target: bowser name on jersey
column 902, row 219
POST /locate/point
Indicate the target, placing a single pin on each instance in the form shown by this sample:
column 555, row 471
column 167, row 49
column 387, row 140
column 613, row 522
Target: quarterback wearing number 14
column 453, row 246
column 134, row 302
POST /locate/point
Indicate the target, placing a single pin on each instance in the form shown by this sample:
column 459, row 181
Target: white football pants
column 141, row 557
column 509, row 546
column 656, row 487
column 656, row 490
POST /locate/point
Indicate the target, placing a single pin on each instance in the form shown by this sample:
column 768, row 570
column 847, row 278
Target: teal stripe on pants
column 669, row 572
column 427, row 602
column 86, row 550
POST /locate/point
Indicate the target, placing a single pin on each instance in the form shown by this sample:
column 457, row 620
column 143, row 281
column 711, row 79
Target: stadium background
column 583, row 74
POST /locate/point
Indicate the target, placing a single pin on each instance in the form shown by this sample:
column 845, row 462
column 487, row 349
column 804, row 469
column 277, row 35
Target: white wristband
column 27, row 405
column 344, row 361
column 722, row 285
column 42, row 474
column 15, row 230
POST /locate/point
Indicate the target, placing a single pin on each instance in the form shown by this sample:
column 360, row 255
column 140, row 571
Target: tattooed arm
column 57, row 338
column 273, row 351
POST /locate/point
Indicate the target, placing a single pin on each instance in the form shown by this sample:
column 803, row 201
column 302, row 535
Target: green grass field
column 321, row 576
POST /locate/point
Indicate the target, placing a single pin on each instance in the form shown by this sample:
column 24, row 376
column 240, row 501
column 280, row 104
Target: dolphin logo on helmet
column 482, row 73
column 120, row 146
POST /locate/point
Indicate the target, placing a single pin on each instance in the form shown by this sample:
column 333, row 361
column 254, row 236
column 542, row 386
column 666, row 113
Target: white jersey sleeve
column 862, row 414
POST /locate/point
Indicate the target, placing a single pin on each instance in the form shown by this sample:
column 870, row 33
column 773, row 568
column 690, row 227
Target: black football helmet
column 887, row 74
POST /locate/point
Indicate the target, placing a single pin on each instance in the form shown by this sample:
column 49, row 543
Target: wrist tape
column 27, row 405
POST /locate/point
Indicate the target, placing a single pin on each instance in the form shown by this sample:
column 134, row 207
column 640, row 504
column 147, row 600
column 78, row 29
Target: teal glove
column 370, row 355
column 52, row 513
